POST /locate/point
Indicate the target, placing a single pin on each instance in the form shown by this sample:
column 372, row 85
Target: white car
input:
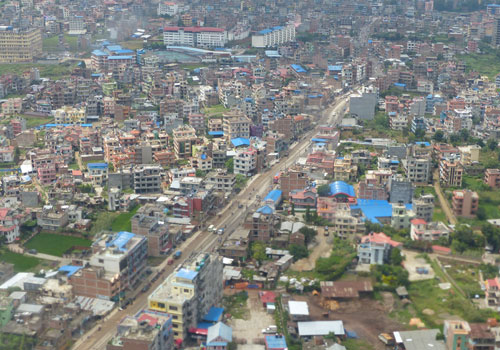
column 211, row 228
column 270, row 330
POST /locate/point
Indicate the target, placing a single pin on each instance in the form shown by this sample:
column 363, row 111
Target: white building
column 77, row 25
column 195, row 36
column 167, row 8
column 274, row 36
column 245, row 162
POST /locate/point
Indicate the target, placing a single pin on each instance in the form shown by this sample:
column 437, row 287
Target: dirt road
column 442, row 200
column 322, row 249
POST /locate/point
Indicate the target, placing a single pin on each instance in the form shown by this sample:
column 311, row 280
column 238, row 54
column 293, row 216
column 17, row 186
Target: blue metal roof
column 400, row 84
column 119, row 57
column 204, row 325
column 275, row 342
column 424, row 143
column 339, row 187
column 99, row 53
column 335, row 68
column 298, row 68
column 274, row 195
column 272, row 54
column 373, row 209
column 70, row 269
column 318, row 140
column 266, row 210
column 97, row 165
column 120, row 240
column 270, row 30
column 214, row 314
column 113, row 47
column 123, row 51
column 186, row 274
column 216, row 133
column 240, row 141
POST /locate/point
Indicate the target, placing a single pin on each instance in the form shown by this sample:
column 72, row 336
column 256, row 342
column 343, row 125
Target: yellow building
column 69, row 115
column 19, row 46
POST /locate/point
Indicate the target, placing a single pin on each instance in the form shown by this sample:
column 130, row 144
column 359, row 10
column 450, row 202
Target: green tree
column 230, row 165
column 395, row 258
column 293, row 209
column 298, row 251
column 324, row 190
column 200, row 173
column 492, row 144
column 438, row 136
column 308, row 233
column 259, row 251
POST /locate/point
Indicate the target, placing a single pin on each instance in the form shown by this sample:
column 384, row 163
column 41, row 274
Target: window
column 186, row 290
column 173, row 308
column 101, row 261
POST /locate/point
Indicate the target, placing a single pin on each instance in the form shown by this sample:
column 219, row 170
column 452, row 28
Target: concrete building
column 292, row 180
column 245, row 162
column 418, row 170
column 70, row 115
column 189, row 292
column 401, row 216
column 235, row 126
column 221, row 180
column 147, row 179
column 207, row 37
column 423, row 207
column 184, row 139
column 465, row 203
column 261, row 224
column 167, row 8
column 95, row 282
column 450, row 173
column 274, row 36
column 492, row 178
column 19, row 45
column 98, row 173
column 363, row 106
column 123, row 254
column 400, row 190
column 339, row 214
column 423, row 231
column 375, row 248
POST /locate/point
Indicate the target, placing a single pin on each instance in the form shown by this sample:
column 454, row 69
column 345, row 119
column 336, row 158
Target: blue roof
column 298, row 68
column 425, row 143
column 123, row 51
column 113, row 47
column 400, row 84
column 269, row 30
column 240, row 141
column 219, row 330
column 266, row 210
column 204, row 325
column 338, row 187
column 216, row 133
column 275, row 342
column 70, row 269
column 97, row 165
column 374, row 208
column 119, row 57
column 203, row 156
column 186, row 274
column 318, row 140
column 99, row 53
column 120, row 240
column 272, row 53
column 274, row 195
column 214, row 314
column 336, row 67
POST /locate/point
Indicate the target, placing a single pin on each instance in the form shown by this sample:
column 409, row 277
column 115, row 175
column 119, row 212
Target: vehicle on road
column 177, row 254
column 170, row 261
column 211, row 228
column 270, row 330
column 326, row 233
column 33, row 251
column 220, row 231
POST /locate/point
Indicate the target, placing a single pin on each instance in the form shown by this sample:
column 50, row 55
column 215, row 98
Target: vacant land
column 54, row 244
column 123, row 221
column 53, row 71
column 21, row 262
column 485, row 64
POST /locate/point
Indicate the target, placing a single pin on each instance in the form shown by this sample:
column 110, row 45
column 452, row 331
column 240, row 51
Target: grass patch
column 192, row 66
column 357, row 344
column 215, row 111
column 70, row 43
column 123, row 221
column 236, row 305
column 485, row 63
column 54, row 244
column 132, row 44
column 18, row 342
column 21, row 262
column 102, row 221
column 53, row 71
column 33, row 122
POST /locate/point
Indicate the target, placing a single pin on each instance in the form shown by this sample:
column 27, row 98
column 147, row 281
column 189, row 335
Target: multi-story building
column 235, row 126
column 460, row 335
column 261, row 224
column 274, row 36
column 418, row 170
column 400, row 190
column 189, row 292
column 423, row 231
column 423, row 207
column 184, row 139
column 492, row 178
column 70, row 115
column 450, row 172
column 221, row 180
column 375, row 248
column 150, row 221
column 194, row 36
column 495, row 37
column 367, row 190
column 123, row 254
column 465, row 203
column 339, row 214
column 12, row 106
column 19, row 45
column 401, row 217
column 197, row 121
column 151, row 330
column 10, row 223
column 492, row 292
column 344, row 170
column 292, row 180
column 95, row 282
column 147, row 179
column 245, row 161
column 167, row 8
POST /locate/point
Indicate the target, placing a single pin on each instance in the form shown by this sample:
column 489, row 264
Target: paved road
column 230, row 216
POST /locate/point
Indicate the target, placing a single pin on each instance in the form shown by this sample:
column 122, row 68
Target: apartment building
column 368, row 190
column 375, row 248
column 98, row 173
column 147, row 179
column 123, row 254
column 274, row 36
column 465, row 203
column 207, row 37
column 339, row 214
column 184, row 139
column 150, row 221
column 492, row 178
column 344, row 170
column 18, row 45
column 423, row 231
column 70, row 115
column 471, row 336
column 261, row 224
column 167, row 8
column 400, row 190
column 221, row 180
column 418, row 170
column 95, row 282
column 189, row 292
column 492, row 292
column 450, row 173
column 401, row 217
column 292, row 180
column 245, row 162
column 235, row 126
column 423, row 207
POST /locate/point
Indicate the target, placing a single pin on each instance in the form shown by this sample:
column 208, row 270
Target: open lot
column 412, row 262
column 21, row 262
column 54, row 244
column 251, row 328
column 321, row 249
column 123, row 221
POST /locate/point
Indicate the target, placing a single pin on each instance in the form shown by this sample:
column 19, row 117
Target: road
column 442, row 200
column 230, row 216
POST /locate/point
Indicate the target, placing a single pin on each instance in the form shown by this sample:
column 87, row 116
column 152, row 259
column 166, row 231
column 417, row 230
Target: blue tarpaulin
column 240, row 141
column 214, row 314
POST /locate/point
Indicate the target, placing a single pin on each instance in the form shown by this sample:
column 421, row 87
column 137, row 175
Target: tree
column 395, row 258
column 308, row 233
column 230, row 165
column 307, row 216
column 259, row 251
column 324, row 190
column 298, row 251
column 438, row 136
column 200, row 173
column 492, row 144
column 293, row 209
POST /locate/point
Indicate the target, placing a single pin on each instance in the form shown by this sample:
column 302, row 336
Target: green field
column 485, row 64
column 33, row 122
column 52, row 43
column 215, row 111
column 21, row 262
column 53, row 71
column 122, row 222
column 54, row 244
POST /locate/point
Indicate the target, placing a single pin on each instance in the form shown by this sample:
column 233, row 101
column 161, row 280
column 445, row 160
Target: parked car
column 33, row 251
column 270, row 330
column 211, row 228
column 177, row 254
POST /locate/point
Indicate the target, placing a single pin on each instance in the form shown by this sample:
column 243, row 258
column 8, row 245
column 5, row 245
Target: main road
column 230, row 217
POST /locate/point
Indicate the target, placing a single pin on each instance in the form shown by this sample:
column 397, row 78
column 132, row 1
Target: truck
column 177, row 254
column 220, row 231
column 211, row 228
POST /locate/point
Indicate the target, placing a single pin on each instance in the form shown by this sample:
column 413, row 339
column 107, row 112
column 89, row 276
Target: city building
column 423, row 231
column 450, row 173
column 423, row 207
column 292, row 180
column 261, row 224
column 418, row 170
column 400, row 190
column 207, row 37
column 70, row 115
column 275, row 36
column 184, row 139
column 344, row 225
column 492, row 178
column 147, row 179
column 98, row 173
column 167, row 8
column 245, row 161
column 363, row 106
column 18, row 45
column 236, row 126
column 465, row 203
column 375, row 248
column 221, row 179
column 189, row 292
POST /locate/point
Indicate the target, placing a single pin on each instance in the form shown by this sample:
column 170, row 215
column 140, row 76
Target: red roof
column 419, row 222
column 77, row 173
column 267, row 297
column 438, row 248
column 381, row 238
column 3, row 213
column 149, row 319
column 193, row 29
column 492, row 282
